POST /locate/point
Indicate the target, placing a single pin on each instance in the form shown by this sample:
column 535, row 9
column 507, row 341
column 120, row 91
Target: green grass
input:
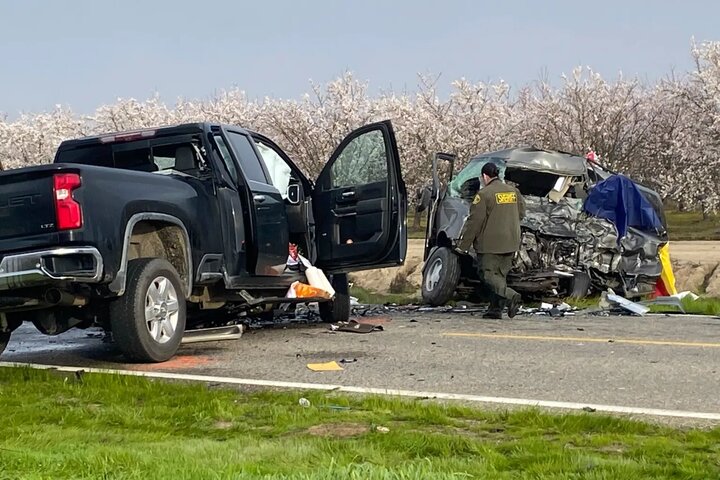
column 692, row 226
column 114, row 427
column 701, row 306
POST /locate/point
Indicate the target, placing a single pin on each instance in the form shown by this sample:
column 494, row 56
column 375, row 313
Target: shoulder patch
column 477, row 199
column 505, row 197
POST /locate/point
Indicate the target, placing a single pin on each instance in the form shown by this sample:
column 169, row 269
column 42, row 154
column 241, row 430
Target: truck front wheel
column 148, row 321
column 440, row 277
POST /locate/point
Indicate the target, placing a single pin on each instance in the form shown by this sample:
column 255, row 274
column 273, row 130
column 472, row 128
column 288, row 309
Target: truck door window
column 362, row 161
column 249, row 161
column 280, row 172
column 226, row 157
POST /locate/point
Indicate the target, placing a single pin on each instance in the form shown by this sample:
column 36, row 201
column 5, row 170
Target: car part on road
column 355, row 327
column 440, row 276
column 609, row 300
column 149, row 320
column 670, row 301
column 232, row 332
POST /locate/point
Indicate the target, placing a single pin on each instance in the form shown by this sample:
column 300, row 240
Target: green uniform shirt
column 494, row 222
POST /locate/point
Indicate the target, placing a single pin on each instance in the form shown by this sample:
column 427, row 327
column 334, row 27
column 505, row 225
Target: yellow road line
column 630, row 341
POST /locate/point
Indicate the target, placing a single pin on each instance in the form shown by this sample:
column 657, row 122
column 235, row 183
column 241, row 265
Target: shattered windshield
column 467, row 182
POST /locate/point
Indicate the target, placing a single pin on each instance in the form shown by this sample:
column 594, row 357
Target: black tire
column 440, row 277
column 580, row 285
column 337, row 310
column 4, row 340
column 130, row 328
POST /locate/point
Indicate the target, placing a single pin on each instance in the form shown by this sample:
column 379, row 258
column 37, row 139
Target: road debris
column 304, row 402
column 671, row 301
column 610, row 301
column 355, row 327
column 325, row 367
column 551, row 309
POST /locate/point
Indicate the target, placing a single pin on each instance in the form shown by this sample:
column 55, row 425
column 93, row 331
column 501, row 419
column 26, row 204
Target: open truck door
column 360, row 203
column 436, row 194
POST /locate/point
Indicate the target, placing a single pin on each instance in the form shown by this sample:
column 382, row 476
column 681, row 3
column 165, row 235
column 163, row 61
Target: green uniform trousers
column 494, row 269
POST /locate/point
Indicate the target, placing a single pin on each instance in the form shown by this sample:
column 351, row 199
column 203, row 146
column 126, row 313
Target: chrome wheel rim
column 162, row 310
column 433, row 276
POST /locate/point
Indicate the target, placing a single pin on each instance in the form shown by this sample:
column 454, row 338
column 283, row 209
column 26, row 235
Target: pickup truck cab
column 140, row 231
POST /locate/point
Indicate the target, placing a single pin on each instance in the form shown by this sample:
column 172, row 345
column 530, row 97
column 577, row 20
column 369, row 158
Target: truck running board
column 215, row 334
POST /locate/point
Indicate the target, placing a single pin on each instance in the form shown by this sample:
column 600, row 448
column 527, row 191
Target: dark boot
column 495, row 310
column 514, row 306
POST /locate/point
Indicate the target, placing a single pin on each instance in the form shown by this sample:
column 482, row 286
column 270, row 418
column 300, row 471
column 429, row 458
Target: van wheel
column 580, row 285
column 440, row 277
column 337, row 310
column 148, row 321
column 4, row 340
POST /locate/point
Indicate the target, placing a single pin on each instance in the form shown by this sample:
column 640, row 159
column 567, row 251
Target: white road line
column 381, row 391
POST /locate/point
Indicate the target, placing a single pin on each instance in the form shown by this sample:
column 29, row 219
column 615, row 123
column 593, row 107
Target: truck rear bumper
column 73, row 264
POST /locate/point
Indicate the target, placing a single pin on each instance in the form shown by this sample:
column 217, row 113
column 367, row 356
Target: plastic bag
column 303, row 290
column 316, row 277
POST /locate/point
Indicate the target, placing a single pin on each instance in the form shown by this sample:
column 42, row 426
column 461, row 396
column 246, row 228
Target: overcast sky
column 83, row 53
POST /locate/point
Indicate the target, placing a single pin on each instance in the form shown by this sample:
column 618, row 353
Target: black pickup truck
column 140, row 231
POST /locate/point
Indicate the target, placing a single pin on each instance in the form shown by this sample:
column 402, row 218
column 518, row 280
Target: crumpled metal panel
column 451, row 216
column 562, row 237
column 540, row 160
column 553, row 229
column 640, row 253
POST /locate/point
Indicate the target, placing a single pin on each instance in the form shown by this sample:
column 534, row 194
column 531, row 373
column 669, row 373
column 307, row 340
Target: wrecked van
column 585, row 228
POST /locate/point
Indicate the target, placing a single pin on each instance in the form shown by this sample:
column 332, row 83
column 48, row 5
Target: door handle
column 348, row 194
column 259, row 198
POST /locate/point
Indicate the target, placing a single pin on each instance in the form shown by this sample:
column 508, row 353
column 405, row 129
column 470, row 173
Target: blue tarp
column 619, row 200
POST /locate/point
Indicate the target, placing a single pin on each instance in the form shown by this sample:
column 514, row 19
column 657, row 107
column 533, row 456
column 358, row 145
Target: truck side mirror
column 293, row 194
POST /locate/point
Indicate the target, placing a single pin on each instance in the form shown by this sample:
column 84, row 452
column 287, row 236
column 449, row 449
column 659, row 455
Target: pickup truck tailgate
column 27, row 205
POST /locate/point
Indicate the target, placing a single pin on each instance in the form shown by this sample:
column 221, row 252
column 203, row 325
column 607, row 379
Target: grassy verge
column 692, row 226
column 102, row 426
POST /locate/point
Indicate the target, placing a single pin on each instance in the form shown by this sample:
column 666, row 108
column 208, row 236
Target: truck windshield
column 468, row 178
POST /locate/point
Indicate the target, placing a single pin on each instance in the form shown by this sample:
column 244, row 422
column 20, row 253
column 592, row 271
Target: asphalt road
column 648, row 362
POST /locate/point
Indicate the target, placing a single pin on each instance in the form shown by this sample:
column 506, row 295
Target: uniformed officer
column 493, row 228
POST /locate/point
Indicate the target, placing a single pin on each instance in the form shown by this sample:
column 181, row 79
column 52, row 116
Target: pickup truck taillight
column 67, row 210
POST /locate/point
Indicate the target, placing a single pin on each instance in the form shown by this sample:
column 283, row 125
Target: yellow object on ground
column 324, row 367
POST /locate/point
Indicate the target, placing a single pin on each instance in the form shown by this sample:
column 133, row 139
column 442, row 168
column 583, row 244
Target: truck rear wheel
column 4, row 340
column 440, row 277
column 148, row 321
column 337, row 310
